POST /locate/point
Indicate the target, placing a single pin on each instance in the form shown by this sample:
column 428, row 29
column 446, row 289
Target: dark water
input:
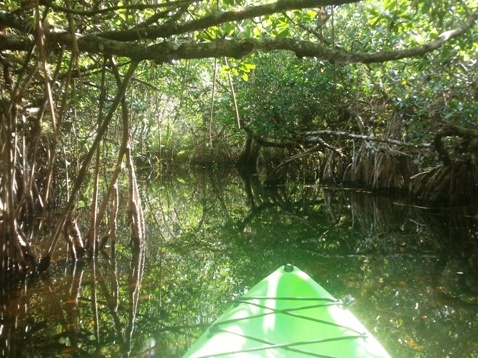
column 413, row 271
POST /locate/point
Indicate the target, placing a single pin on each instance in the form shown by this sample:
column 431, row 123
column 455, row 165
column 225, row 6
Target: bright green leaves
column 290, row 24
column 209, row 34
column 391, row 4
column 392, row 17
column 281, row 27
column 121, row 18
column 392, row 24
column 306, row 16
column 243, row 68
column 227, row 31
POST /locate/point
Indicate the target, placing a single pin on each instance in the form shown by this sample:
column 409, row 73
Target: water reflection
column 412, row 271
column 77, row 309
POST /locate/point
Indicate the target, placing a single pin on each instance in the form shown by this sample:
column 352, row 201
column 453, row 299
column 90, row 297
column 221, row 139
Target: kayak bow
column 287, row 315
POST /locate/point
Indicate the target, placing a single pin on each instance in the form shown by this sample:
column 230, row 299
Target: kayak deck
column 287, row 315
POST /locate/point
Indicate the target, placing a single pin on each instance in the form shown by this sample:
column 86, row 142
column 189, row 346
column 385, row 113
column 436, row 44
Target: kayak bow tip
column 288, row 268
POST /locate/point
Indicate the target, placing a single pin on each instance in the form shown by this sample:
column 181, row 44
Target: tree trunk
column 249, row 155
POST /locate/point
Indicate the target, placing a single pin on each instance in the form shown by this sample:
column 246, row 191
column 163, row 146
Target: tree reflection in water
column 211, row 235
column 77, row 309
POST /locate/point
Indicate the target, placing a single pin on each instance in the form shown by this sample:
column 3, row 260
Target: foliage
column 428, row 91
column 285, row 96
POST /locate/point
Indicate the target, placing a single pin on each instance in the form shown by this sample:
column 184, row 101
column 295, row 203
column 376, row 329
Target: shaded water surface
column 413, row 271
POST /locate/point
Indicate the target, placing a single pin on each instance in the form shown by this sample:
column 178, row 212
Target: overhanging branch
column 217, row 18
column 236, row 48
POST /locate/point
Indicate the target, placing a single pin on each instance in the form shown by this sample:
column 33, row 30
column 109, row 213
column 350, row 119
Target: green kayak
column 287, row 315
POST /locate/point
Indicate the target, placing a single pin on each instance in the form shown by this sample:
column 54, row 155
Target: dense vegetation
column 377, row 94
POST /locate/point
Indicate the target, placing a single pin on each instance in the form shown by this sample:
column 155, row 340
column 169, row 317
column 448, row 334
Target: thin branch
column 314, row 137
column 217, row 18
column 234, row 99
column 93, row 12
column 45, row 261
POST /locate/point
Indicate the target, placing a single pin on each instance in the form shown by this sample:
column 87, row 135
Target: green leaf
column 247, row 66
column 229, row 29
column 390, row 5
column 283, row 33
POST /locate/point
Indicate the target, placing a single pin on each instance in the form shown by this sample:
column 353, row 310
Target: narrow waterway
column 210, row 235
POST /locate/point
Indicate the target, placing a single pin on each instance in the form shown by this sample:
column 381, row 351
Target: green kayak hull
column 287, row 315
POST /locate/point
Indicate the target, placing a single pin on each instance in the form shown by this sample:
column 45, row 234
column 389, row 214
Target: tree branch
column 310, row 49
column 314, row 137
column 236, row 48
column 448, row 131
column 96, row 11
column 217, row 18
